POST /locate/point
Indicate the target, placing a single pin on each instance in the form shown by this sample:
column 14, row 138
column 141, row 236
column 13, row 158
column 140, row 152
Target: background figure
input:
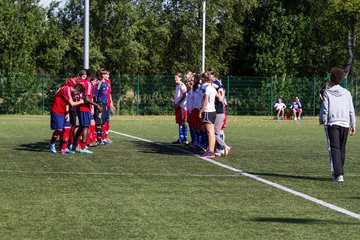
column 337, row 115
column 322, row 89
column 296, row 108
column 280, row 109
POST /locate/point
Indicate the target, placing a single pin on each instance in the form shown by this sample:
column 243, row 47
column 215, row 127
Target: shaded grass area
column 137, row 190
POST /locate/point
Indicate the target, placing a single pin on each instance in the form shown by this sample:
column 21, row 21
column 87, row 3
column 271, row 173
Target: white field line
column 296, row 193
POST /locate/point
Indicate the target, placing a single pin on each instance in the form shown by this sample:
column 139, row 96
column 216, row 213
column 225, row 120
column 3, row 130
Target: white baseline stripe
column 296, row 193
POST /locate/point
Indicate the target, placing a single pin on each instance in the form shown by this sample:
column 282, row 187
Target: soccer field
column 143, row 187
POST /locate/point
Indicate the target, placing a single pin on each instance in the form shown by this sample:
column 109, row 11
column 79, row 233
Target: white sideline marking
column 296, row 193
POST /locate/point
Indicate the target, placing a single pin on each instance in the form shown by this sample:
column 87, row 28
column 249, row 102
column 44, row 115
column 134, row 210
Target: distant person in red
column 84, row 112
column 60, row 118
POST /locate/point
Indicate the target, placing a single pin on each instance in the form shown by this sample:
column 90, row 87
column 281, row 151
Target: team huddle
column 81, row 108
column 201, row 103
column 80, row 114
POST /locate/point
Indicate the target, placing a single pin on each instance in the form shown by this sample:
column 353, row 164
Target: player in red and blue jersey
column 101, row 94
column 60, row 119
column 109, row 107
column 73, row 110
column 84, row 112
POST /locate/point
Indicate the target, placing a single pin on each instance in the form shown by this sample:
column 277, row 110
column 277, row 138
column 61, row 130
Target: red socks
column 55, row 136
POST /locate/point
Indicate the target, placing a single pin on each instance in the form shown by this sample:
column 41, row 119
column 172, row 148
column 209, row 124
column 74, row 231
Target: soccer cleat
column 177, row 142
column 66, row 151
column 184, row 142
column 208, row 154
column 340, row 178
column 93, row 144
column 217, row 154
column 106, row 142
column 85, row 151
column 52, row 148
column 295, row 118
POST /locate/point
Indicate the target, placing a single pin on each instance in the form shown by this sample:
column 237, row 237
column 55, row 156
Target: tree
column 349, row 12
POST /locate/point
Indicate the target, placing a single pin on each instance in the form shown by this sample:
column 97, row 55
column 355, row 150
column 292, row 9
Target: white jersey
column 210, row 92
column 278, row 106
column 180, row 89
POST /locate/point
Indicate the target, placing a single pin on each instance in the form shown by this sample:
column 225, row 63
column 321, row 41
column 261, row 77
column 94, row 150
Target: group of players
column 80, row 113
column 200, row 102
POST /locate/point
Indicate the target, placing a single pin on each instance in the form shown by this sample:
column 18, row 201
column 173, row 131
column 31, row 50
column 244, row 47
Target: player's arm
column 112, row 108
column 87, row 99
column 183, row 96
column 220, row 94
column 206, row 101
column 73, row 103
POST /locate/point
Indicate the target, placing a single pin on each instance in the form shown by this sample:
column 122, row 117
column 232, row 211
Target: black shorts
column 208, row 117
column 100, row 117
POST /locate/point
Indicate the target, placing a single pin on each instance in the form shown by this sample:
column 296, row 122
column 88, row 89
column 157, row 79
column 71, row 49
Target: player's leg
column 85, row 119
column 334, row 136
column 57, row 125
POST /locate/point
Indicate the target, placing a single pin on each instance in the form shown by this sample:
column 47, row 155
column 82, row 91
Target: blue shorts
column 84, row 118
column 58, row 122
column 107, row 115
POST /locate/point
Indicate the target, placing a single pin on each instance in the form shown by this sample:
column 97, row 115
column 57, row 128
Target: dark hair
column 79, row 87
column 81, row 72
column 206, row 78
column 197, row 78
column 337, row 75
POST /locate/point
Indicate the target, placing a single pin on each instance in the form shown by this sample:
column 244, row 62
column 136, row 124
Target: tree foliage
column 244, row 37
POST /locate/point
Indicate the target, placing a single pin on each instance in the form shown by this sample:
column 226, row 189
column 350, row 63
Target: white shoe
column 295, row 118
column 339, row 178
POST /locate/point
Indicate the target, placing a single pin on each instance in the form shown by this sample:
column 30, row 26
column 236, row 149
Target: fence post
column 314, row 96
column 271, row 95
column 137, row 94
column 228, row 93
column 43, row 93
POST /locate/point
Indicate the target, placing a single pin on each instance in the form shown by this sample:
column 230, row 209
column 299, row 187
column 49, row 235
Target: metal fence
column 153, row 95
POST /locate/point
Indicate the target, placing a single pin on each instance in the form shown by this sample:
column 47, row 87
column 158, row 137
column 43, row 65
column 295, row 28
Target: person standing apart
column 338, row 117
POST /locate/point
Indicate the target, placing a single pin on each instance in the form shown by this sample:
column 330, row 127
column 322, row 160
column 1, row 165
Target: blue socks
column 183, row 133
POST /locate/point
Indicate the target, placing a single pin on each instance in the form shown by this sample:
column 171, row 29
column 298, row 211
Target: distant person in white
column 280, row 109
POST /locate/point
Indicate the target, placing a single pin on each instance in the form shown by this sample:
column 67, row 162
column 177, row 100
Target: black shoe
column 176, row 142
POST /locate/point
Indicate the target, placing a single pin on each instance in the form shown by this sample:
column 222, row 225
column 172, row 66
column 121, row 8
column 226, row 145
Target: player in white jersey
column 208, row 113
column 180, row 108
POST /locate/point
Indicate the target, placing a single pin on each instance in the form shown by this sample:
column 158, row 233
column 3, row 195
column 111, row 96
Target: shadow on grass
column 302, row 221
column 34, row 147
column 163, row 148
column 323, row 179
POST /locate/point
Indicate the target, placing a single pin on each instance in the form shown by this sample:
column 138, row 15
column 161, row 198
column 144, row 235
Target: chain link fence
column 153, row 95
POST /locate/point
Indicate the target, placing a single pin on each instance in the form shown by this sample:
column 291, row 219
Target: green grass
column 137, row 190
